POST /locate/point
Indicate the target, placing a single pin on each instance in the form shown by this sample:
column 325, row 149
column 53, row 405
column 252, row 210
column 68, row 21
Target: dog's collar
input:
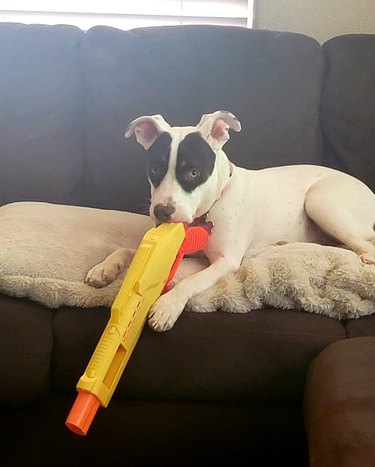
column 204, row 223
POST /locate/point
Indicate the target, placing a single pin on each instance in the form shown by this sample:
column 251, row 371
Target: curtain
column 128, row 14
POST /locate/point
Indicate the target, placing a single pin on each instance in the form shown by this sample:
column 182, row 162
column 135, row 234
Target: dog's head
column 186, row 166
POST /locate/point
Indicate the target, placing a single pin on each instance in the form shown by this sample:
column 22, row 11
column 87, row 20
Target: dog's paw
column 101, row 275
column 165, row 312
column 106, row 272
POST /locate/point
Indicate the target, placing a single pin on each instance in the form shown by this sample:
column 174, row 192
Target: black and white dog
column 191, row 176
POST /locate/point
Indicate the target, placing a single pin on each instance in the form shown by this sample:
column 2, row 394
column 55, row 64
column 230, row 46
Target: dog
column 192, row 178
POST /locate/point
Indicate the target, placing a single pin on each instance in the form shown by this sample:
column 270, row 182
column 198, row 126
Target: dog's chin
column 185, row 219
column 174, row 220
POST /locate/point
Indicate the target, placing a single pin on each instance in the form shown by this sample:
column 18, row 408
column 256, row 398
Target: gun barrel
column 82, row 413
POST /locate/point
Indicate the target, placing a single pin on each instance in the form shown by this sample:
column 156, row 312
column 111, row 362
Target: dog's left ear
column 147, row 129
column 215, row 127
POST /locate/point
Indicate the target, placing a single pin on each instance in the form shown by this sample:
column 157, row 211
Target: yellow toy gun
column 154, row 264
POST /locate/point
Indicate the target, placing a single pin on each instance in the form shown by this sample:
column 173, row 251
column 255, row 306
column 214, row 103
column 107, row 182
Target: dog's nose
column 163, row 212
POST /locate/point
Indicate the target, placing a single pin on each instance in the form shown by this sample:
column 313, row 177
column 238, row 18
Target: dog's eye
column 155, row 170
column 192, row 175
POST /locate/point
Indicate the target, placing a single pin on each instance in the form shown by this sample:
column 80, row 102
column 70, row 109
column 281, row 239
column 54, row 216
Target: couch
column 268, row 387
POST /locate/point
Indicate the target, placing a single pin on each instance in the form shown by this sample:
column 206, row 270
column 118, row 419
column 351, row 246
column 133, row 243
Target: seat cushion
column 257, row 358
column 26, row 344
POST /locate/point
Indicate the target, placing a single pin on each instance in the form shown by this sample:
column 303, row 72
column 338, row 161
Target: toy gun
column 153, row 267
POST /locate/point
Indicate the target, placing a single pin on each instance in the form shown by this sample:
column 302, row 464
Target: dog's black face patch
column 195, row 162
column 158, row 158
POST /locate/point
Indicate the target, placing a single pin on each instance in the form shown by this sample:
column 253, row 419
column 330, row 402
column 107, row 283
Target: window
column 128, row 14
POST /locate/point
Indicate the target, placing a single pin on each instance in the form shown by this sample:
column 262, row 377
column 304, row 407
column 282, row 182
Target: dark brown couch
column 218, row 389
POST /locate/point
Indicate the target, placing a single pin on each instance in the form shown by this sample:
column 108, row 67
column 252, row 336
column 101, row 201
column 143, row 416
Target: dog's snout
column 163, row 212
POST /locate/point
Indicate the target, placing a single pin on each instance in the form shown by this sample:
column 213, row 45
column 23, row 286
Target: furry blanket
column 46, row 251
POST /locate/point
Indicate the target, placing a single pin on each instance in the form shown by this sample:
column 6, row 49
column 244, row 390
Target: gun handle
column 196, row 238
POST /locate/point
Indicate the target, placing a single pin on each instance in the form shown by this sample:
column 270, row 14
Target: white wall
column 321, row 19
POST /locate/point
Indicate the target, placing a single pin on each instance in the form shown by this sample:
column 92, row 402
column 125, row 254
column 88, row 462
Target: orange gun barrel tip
column 82, row 413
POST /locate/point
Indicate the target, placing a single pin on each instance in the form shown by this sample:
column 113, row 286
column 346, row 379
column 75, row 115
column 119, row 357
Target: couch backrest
column 348, row 106
column 271, row 81
column 41, row 114
column 66, row 98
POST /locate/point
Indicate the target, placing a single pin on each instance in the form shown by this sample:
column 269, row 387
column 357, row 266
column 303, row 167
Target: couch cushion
column 257, row 358
column 348, row 106
column 25, row 351
column 361, row 327
column 41, row 118
column 271, row 81
column 152, row 433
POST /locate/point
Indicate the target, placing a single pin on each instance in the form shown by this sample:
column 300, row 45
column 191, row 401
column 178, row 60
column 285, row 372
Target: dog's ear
column 147, row 129
column 215, row 127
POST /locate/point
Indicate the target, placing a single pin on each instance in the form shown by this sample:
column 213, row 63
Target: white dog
column 191, row 178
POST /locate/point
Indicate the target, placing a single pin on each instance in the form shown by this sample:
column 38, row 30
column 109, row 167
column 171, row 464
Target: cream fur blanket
column 46, row 251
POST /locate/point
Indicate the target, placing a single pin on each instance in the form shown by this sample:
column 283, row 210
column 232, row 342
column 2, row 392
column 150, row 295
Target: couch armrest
column 340, row 405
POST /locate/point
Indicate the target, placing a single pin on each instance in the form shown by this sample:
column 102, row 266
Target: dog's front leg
column 169, row 306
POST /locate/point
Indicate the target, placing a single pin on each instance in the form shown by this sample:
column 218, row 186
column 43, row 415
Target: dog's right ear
column 215, row 127
column 147, row 129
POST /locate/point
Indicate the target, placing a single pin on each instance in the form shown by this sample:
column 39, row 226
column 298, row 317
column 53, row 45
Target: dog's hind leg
column 106, row 272
column 344, row 208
